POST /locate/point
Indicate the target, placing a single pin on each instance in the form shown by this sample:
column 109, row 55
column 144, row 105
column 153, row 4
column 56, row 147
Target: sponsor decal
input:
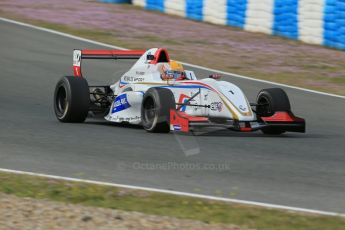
column 140, row 73
column 243, row 108
column 125, row 119
column 120, row 103
column 134, row 79
column 132, row 118
column 76, row 57
column 216, row 106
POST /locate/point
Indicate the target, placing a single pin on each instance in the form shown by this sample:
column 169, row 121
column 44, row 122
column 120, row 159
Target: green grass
column 339, row 80
column 162, row 204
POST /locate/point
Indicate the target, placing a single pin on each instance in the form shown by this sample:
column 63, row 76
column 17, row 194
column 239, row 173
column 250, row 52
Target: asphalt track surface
column 301, row 170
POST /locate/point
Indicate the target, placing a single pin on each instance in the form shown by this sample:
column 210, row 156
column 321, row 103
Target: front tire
column 155, row 110
column 270, row 101
column 71, row 99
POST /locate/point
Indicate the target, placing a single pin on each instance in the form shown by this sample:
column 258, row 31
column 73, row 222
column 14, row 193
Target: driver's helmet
column 175, row 71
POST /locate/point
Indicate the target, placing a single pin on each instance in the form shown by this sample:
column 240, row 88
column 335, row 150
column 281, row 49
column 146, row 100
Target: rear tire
column 155, row 110
column 71, row 99
column 270, row 101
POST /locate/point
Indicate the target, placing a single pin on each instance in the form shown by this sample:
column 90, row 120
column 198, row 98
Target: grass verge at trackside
column 162, row 204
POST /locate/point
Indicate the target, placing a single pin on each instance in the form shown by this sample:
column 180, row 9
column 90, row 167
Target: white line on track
column 215, row 198
column 187, row 64
column 163, row 190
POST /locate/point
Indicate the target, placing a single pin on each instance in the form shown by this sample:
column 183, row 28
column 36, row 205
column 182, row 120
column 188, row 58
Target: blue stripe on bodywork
column 186, row 86
column 155, row 5
column 175, row 86
column 183, row 108
column 236, row 13
column 123, row 82
column 285, row 18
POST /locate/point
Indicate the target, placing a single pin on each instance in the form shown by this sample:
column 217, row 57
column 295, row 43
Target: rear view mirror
column 150, row 57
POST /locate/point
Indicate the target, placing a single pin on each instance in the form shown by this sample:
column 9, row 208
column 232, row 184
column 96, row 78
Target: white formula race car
column 160, row 95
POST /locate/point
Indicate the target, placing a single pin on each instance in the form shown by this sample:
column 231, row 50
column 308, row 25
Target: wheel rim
column 61, row 101
column 149, row 110
column 264, row 107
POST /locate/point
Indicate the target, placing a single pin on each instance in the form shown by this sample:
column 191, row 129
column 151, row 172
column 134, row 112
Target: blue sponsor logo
column 120, row 103
column 177, row 127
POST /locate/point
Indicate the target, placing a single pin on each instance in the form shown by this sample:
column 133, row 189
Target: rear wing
column 78, row 55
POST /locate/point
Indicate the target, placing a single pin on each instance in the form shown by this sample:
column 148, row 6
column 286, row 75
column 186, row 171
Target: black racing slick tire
column 270, row 101
column 71, row 99
column 155, row 110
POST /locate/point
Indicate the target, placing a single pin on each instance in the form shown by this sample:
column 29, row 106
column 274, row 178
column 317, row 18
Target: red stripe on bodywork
column 113, row 52
column 199, row 83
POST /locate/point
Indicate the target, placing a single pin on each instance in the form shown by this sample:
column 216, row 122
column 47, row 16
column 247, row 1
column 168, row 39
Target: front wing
column 286, row 121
